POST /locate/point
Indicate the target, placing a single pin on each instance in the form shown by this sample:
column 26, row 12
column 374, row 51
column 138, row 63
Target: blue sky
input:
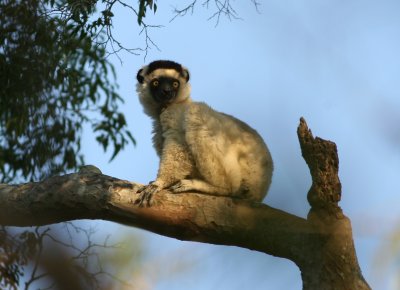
column 336, row 63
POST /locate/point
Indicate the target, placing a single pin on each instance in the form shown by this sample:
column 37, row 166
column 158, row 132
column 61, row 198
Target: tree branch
column 321, row 245
column 187, row 216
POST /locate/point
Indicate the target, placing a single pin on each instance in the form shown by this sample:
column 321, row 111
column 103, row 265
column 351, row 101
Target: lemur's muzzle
column 167, row 93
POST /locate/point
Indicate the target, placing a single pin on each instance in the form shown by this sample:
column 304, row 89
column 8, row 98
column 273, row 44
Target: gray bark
column 321, row 245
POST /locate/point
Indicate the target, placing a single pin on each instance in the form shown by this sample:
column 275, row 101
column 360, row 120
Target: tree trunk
column 321, row 245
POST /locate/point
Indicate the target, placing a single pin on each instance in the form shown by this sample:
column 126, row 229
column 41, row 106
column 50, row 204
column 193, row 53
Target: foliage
column 54, row 78
column 143, row 5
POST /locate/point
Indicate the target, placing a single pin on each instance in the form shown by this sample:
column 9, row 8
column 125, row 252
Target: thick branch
column 191, row 216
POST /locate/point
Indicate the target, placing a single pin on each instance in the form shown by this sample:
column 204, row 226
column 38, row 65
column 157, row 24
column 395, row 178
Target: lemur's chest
column 172, row 117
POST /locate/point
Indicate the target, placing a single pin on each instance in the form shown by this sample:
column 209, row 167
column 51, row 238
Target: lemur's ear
column 139, row 76
column 185, row 73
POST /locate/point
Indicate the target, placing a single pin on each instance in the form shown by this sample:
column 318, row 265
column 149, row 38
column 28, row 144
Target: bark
column 321, row 245
column 331, row 263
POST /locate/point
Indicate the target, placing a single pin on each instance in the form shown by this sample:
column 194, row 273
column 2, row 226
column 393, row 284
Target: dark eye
column 175, row 84
column 155, row 83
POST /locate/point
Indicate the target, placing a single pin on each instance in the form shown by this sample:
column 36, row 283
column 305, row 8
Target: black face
column 164, row 89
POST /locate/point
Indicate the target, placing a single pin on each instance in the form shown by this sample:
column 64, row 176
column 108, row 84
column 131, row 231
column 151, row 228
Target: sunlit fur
column 203, row 150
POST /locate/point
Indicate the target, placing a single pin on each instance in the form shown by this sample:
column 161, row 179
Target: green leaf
column 117, row 148
column 142, row 11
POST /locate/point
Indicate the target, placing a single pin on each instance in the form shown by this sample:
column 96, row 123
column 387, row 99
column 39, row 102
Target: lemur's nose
column 167, row 89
